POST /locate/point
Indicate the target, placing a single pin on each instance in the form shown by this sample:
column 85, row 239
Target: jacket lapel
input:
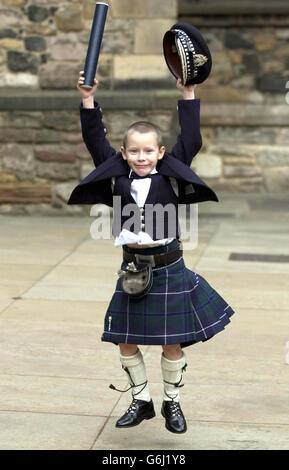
column 168, row 166
column 113, row 166
column 171, row 166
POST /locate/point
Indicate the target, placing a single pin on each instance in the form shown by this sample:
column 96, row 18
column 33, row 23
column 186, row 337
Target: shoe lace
column 176, row 384
column 132, row 386
column 175, row 408
column 132, row 406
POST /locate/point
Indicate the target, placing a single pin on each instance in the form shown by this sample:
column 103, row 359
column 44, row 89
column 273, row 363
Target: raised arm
column 92, row 127
column 189, row 140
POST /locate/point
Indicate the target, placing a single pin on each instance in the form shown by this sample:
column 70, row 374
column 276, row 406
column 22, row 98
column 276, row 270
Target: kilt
column 181, row 307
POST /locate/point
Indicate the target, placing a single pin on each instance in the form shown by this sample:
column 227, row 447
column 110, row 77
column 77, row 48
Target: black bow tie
column 134, row 175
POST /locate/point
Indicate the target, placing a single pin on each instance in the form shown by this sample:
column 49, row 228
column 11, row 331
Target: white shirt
column 139, row 190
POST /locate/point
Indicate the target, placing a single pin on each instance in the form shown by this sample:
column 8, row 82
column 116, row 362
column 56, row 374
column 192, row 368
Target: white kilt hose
column 181, row 307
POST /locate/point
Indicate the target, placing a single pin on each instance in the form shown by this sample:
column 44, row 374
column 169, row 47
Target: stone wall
column 246, row 135
column 44, row 42
column 244, row 112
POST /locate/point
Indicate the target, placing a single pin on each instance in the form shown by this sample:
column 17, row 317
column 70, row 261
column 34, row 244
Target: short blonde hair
column 143, row 127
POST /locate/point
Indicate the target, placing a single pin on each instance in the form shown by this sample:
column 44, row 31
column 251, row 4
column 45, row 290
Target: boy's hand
column 85, row 93
column 187, row 91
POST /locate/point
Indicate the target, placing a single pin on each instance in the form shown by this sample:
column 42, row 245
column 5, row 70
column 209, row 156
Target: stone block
column 69, row 18
column 20, row 120
column 237, row 170
column 214, row 41
column 245, row 81
column 73, row 138
column 118, row 36
column 277, row 179
column 251, row 63
column 163, row 9
column 63, row 190
column 10, row 43
column 41, row 29
column 208, row 166
column 66, row 46
column 273, row 66
column 282, row 136
column 10, row 18
column 244, row 135
column 7, row 33
column 235, row 40
column 162, row 119
column 271, row 82
column 219, row 94
column 282, row 52
column 143, row 9
column 245, row 114
column 25, row 192
column 239, row 161
column 238, row 150
column 208, row 136
column 21, row 79
column 48, row 136
column 249, row 185
column 81, row 151
column 235, row 56
column 282, row 33
column 14, row 3
column 149, row 35
column 224, row 185
column 22, row 62
column 264, row 42
column 16, row 135
column 50, row 156
column 222, row 66
column 35, row 43
column 37, row 13
column 59, row 75
column 273, row 155
column 61, row 120
column 128, row 67
column 57, row 171
column 119, row 121
column 86, row 168
column 18, row 159
column 7, row 177
column 104, row 66
column 2, row 57
column 88, row 9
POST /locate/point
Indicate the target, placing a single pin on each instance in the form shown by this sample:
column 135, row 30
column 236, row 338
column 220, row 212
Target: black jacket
column 175, row 165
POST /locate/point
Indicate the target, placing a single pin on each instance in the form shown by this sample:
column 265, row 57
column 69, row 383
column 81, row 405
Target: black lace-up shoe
column 175, row 420
column 136, row 413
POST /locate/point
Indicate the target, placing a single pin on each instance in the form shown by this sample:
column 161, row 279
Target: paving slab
column 201, row 435
column 49, row 394
column 46, row 431
column 239, row 403
column 263, row 290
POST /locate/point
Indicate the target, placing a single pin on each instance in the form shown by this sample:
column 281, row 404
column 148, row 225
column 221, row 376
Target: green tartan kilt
column 181, row 307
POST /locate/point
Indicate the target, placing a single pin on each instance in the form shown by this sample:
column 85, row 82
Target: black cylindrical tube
column 94, row 45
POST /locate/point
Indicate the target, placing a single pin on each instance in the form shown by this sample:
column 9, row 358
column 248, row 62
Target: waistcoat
column 158, row 217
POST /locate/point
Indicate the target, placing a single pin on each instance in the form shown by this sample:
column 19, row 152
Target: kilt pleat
column 181, row 307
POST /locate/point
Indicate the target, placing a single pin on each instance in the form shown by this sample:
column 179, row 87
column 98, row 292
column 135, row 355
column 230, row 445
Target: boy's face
column 142, row 152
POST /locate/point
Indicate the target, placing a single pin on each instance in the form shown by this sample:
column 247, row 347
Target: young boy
column 180, row 308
